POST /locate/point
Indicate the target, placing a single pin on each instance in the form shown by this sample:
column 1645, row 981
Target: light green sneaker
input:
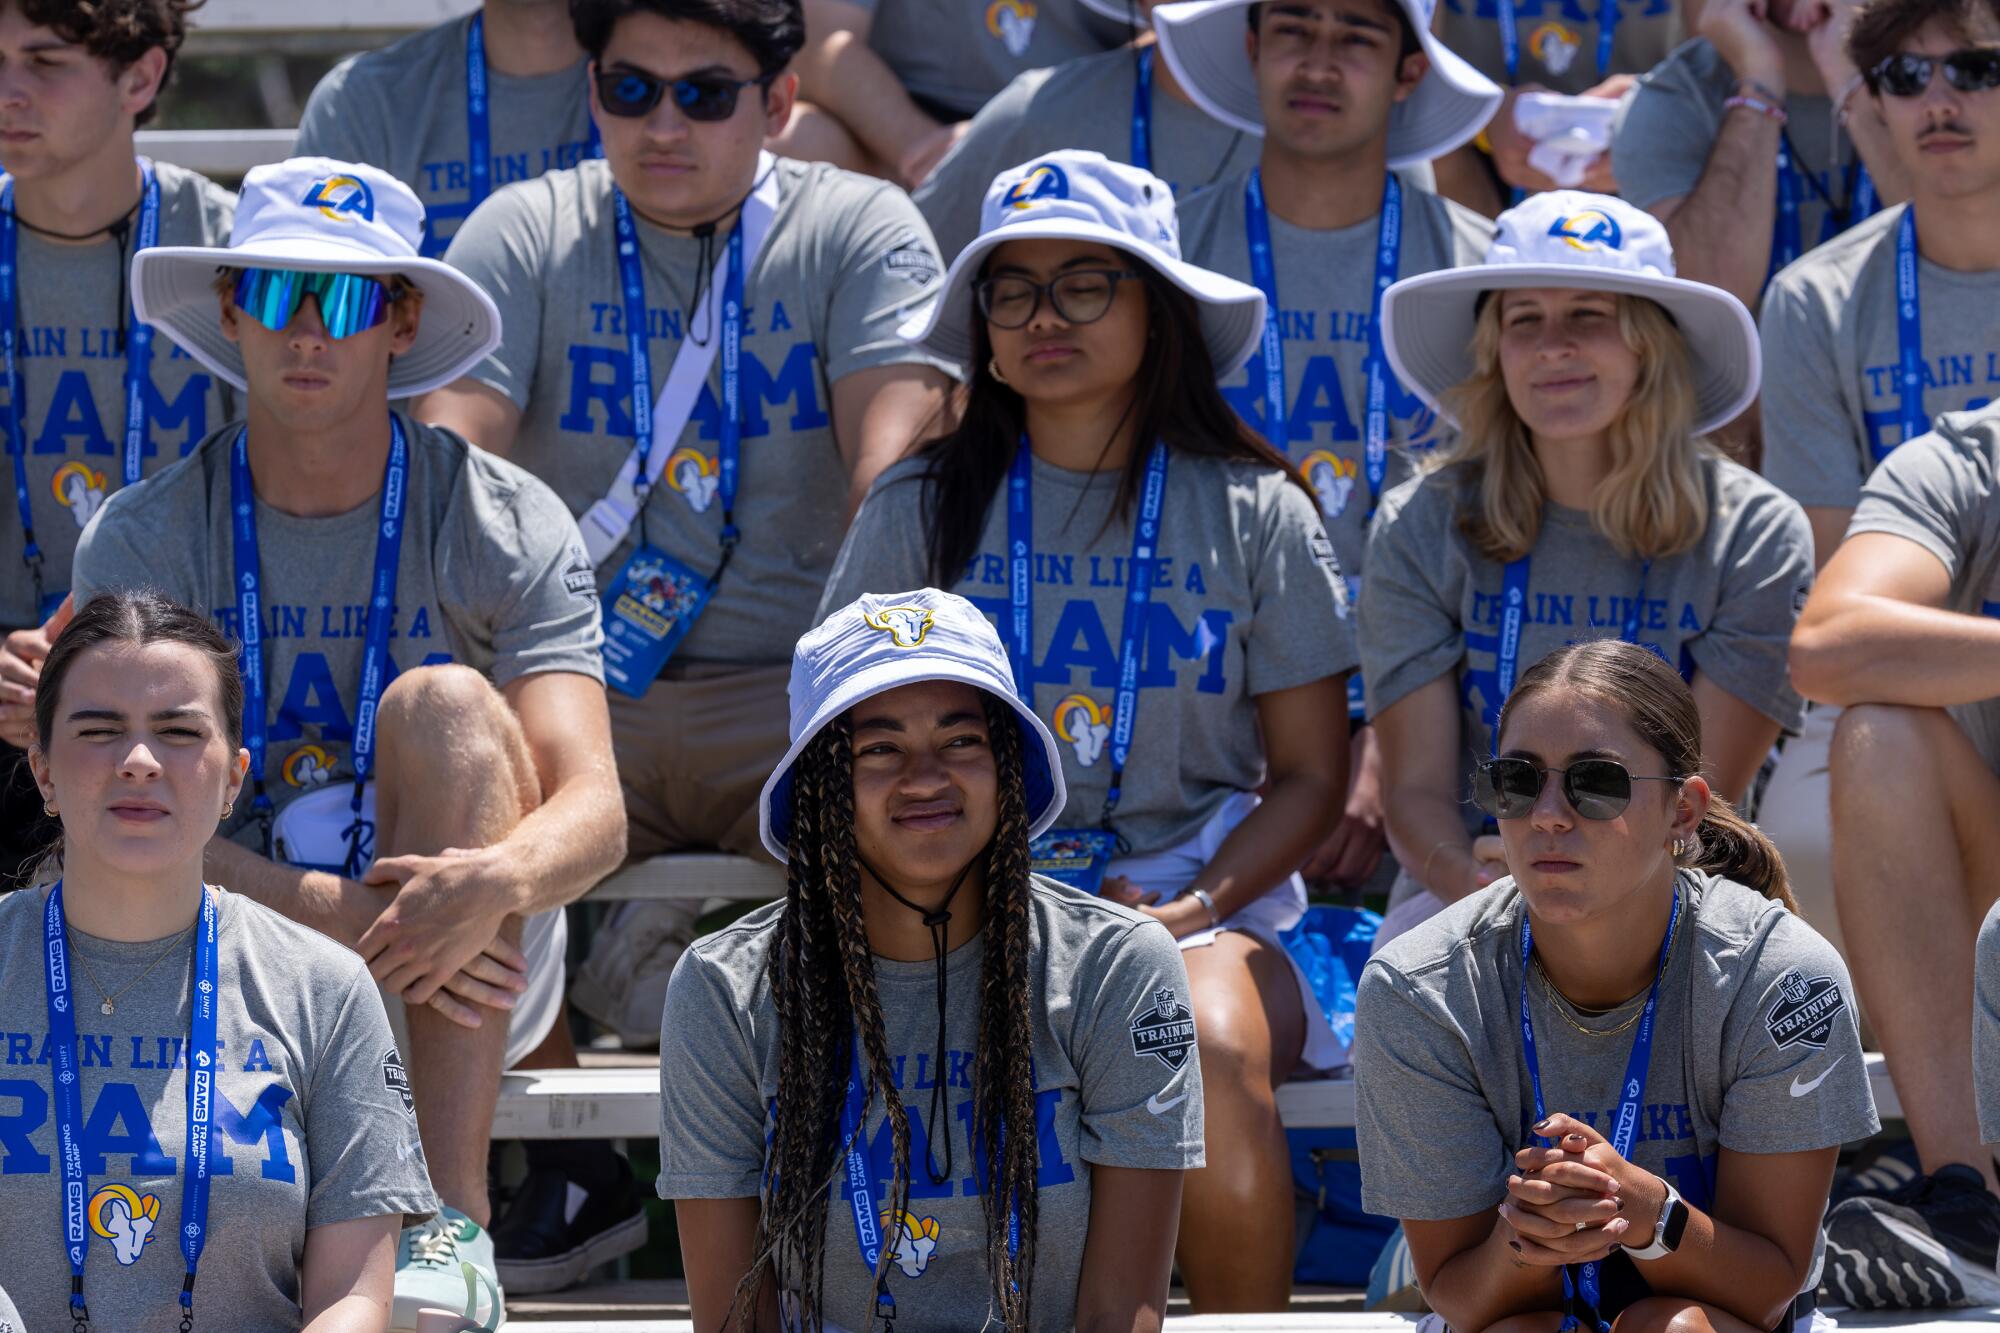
column 446, row 1263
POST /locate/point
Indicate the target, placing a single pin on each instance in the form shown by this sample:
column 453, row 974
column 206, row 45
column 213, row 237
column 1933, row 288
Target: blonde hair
column 1653, row 503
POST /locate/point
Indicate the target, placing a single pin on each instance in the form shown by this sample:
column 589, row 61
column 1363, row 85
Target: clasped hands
column 1580, row 1180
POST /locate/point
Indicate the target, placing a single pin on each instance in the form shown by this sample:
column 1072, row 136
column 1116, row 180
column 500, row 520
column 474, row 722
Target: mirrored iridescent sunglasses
column 348, row 302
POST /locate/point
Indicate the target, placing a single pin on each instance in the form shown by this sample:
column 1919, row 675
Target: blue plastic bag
column 1331, row 945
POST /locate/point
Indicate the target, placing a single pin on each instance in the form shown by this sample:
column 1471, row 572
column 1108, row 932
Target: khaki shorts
column 694, row 754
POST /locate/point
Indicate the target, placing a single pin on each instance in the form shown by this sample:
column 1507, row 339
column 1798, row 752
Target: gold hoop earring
column 49, row 810
column 227, row 806
column 1680, row 848
column 993, row 369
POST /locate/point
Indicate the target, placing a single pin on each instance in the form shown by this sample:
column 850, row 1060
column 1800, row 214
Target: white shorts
column 1169, row 872
column 312, row 832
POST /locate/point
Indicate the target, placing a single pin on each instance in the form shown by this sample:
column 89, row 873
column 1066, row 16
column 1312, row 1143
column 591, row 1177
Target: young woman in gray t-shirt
column 1613, row 1086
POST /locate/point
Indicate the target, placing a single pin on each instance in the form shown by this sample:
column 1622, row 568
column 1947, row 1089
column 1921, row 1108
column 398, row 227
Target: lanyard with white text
column 138, row 367
column 1788, row 233
column 1513, row 608
column 632, row 284
column 1510, row 37
column 479, row 134
column 1142, row 112
column 68, row 1080
column 375, row 643
column 1264, row 272
column 1632, row 1095
column 1139, row 574
column 1909, row 337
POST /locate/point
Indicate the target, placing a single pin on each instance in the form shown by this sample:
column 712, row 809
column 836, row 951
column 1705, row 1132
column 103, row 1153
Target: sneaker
column 446, row 1263
column 1935, row 1247
column 623, row 983
column 555, row 1230
column 1890, row 1172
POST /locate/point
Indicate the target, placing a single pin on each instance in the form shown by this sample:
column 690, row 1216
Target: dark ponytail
column 1652, row 697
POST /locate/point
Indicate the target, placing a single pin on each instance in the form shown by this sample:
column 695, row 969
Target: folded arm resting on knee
column 1876, row 630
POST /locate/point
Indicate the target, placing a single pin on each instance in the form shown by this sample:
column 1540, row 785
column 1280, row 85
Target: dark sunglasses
column 1080, row 296
column 1972, row 70
column 1594, row 788
column 632, row 93
column 348, row 302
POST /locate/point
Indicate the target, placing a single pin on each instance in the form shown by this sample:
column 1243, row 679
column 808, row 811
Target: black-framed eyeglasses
column 1972, row 70
column 1595, row 788
column 632, row 93
column 1080, row 296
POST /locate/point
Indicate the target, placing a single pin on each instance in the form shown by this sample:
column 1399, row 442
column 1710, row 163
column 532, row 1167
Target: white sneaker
column 623, row 984
column 446, row 1264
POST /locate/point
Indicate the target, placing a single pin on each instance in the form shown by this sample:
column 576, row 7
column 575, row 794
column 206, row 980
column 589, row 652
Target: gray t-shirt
column 492, row 576
column 1558, row 39
column 313, row 1122
column 403, row 109
column 1325, row 315
column 1755, row 1050
column 72, row 368
column 845, row 260
column 1247, row 600
column 1942, row 491
column 1432, row 601
column 1832, row 359
column 1120, row 1086
column 1667, row 128
column 1986, row 1028
column 1087, row 104
column 957, row 56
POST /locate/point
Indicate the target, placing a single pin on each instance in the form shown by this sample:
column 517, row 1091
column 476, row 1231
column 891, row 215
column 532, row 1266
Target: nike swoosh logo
column 405, row 1150
column 1158, row 1107
column 1800, row 1089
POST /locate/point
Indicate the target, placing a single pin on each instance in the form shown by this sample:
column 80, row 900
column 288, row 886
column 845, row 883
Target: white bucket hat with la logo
column 321, row 216
column 1581, row 241
column 879, row 642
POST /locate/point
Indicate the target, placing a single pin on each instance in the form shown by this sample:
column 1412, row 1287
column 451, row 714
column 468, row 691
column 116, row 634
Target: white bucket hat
column 1129, row 12
column 1587, row 242
column 1204, row 43
column 881, row 641
column 1075, row 195
column 321, row 216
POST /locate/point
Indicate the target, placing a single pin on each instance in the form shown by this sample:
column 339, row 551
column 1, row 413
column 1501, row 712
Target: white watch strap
column 1658, row 1249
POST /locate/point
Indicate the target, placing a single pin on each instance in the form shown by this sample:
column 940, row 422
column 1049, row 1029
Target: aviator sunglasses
column 1974, row 69
column 632, row 93
column 1595, row 788
column 1078, row 297
column 348, row 302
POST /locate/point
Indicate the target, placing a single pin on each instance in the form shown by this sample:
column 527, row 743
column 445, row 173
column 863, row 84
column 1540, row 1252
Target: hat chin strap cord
column 939, row 921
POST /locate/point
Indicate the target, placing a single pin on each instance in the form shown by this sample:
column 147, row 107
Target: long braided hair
column 823, row 981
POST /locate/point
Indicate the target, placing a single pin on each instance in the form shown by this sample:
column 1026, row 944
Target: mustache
column 1952, row 127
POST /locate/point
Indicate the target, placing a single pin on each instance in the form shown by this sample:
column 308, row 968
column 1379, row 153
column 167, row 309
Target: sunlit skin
column 1950, row 140
column 305, row 381
column 60, row 105
column 1568, row 369
column 1328, row 74
column 1052, row 362
column 139, row 764
column 675, row 171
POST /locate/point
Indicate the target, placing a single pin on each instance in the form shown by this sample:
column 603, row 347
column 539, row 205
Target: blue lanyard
column 1909, row 335
column 632, row 281
column 1510, row 37
column 138, row 361
column 1625, row 1129
column 1513, row 608
column 1138, row 596
column 1787, row 232
column 1142, row 112
column 201, row 1093
column 1264, row 272
column 861, row 1188
column 375, row 643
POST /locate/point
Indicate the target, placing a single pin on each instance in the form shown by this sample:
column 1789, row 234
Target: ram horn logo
column 124, row 1217
column 1082, row 721
column 1332, row 479
column 692, row 473
column 906, row 626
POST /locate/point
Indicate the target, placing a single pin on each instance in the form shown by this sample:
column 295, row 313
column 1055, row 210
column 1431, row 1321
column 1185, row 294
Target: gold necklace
column 109, row 1006
column 1562, row 1004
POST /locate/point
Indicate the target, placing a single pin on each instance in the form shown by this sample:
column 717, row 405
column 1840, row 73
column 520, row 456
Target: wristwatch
column 1668, row 1230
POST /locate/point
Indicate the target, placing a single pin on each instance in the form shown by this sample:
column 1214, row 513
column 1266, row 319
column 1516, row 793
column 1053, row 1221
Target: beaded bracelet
column 1759, row 105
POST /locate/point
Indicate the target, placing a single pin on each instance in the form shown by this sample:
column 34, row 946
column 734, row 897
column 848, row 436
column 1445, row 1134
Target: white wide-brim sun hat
column 1082, row 196
column 321, row 216
column 1132, row 13
column 880, row 642
column 1205, row 43
column 1579, row 241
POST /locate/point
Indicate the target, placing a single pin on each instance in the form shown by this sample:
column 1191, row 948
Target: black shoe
column 1935, row 1248
column 1890, row 1171
column 555, row 1230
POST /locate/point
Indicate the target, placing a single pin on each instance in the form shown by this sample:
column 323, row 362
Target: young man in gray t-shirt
column 510, row 73
column 431, row 770
column 1901, row 631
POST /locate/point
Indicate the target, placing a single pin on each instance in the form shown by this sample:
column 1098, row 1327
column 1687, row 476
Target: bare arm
column 1829, row 529
column 1876, row 630
column 334, row 906
column 1735, row 739
column 839, row 71
column 1420, row 735
column 479, row 412
column 348, row 1275
column 1128, row 1253
column 1827, row 43
column 878, row 414
column 718, row 1240
column 1470, row 1275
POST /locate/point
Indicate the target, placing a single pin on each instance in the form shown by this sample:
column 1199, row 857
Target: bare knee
column 1869, row 735
column 439, row 696
column 1664, row 1314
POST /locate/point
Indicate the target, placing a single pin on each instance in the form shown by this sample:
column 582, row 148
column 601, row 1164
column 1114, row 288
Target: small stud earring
column 993, row 369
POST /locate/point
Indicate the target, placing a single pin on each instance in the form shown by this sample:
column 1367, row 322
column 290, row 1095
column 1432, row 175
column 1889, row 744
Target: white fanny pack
column 311, row 832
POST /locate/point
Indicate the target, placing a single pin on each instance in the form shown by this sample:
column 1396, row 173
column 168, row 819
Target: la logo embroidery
column 341, row 198
column 906, row 626
column 1046, row 181
column 1591, row 229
